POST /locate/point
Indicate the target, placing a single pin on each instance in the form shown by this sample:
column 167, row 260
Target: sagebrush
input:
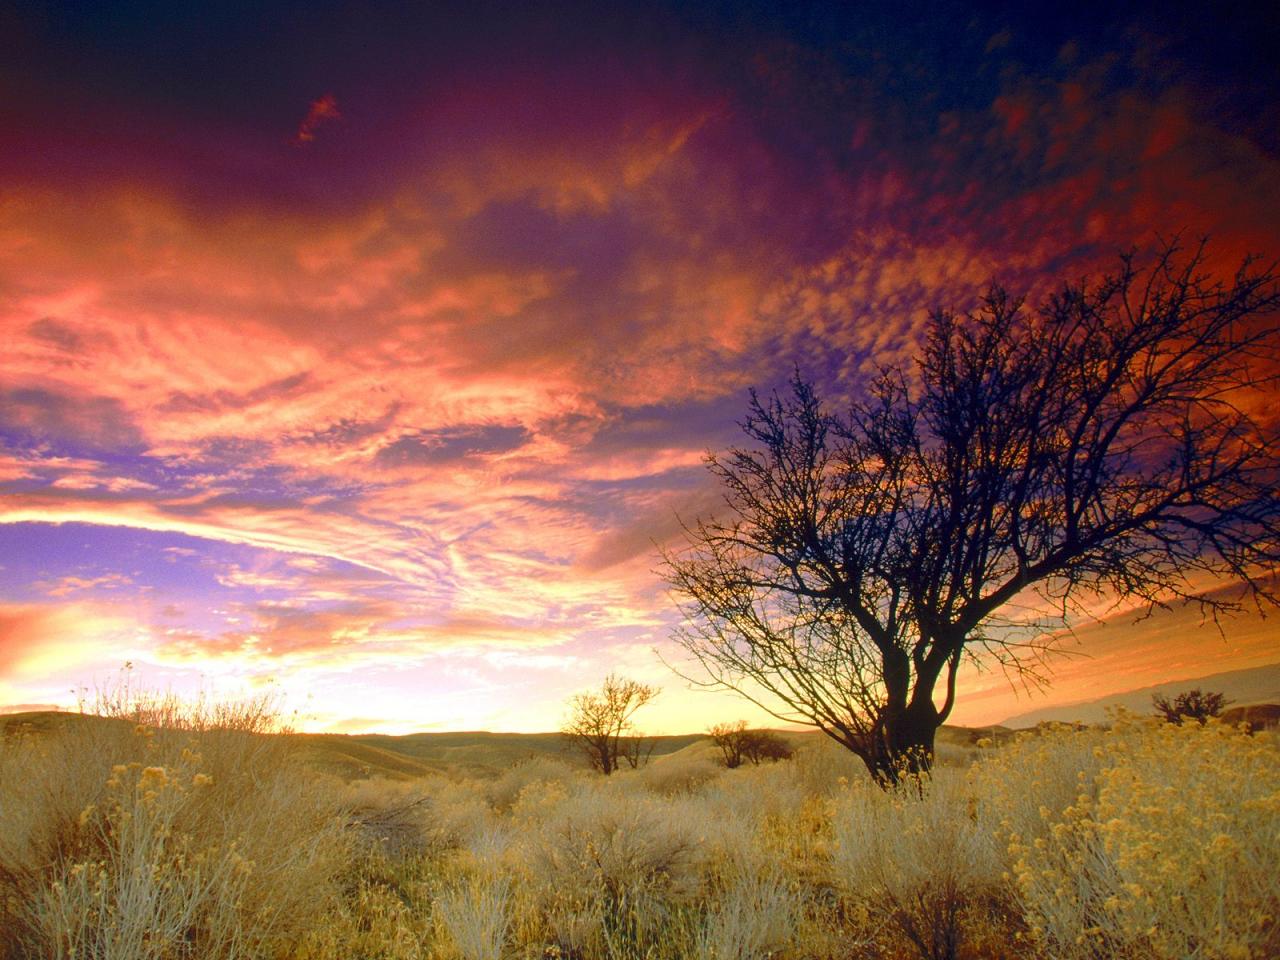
column 180, row 833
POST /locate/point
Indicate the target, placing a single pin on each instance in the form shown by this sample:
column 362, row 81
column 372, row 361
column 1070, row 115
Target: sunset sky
column 363, row 352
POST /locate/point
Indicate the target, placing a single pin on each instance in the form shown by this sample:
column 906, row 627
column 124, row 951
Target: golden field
column 193, row 831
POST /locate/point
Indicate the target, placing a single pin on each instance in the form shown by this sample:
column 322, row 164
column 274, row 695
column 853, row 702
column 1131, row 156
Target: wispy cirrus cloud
column 65, row 586
column 291, row 528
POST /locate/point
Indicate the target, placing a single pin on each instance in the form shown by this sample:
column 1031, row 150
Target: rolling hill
column 353, row 757
column 475, row 754
column 1257, row 685
column 461, row 754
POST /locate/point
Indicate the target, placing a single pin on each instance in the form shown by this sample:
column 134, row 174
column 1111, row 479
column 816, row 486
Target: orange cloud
column 1121, row 653
column 38, row 640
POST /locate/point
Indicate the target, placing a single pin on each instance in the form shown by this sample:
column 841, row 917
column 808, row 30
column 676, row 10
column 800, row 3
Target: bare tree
column 730, row 738
column 637, row 750
column 600, row 723
column 1190, row 705
column 1108, row 445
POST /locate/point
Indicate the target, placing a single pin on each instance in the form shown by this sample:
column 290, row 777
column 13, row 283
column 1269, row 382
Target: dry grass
column 177, row 832
column 167, row 830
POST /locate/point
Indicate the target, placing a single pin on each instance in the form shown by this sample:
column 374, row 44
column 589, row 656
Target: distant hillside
column 1241, row 687
column 465, row 754
column 44, row 721
column 1259, row 716
column 475, row 754
column 349, row 759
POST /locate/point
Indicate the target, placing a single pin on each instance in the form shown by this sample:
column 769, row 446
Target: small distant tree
column 1189, row 705
column 731, row 740
column 738, row 744
column 636, row 750
column 765, row 745
column 600, row 724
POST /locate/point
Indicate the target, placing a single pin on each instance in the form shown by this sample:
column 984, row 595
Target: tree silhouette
column 600, row 724
column 731, row 740
column 1106, row 445
column 738, row 744
column 1189, row 705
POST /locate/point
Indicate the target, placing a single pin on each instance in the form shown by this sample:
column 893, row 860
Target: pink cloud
column 65, row 586
column 29, row 707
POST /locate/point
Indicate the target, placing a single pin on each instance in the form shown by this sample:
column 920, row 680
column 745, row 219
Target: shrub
column 1169, row 849
column 729, row 739
column 475, row 917
column 916, row 860
column 506, row 789
column 1147, row 841
column 737, row 744
column 126, row 840
column 1189, row 705
column 676, row 774
column 765, row 745
column 602, row 865
column 754, row 916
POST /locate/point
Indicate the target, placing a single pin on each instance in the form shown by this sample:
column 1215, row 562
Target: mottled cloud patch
column 322, row 112
column 34, row 416
column 648, row 524
column 109, row 484
column 66, row 586
column 307, row 579
column 277, row 391
column 280, row 629
column 305, row 633
column 61, row 335
column 450, row 445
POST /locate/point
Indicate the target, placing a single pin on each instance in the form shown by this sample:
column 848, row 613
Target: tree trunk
column 903, row 746
column 606, row 757
column 907, row 745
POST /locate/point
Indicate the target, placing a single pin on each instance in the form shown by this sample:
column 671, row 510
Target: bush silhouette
column 1189, row 705
column 738, row 744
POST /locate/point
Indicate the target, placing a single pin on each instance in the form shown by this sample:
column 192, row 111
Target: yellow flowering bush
column 1168, row 850
column 139, row 879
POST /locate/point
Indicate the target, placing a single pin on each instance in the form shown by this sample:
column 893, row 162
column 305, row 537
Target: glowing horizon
column 367, row 359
